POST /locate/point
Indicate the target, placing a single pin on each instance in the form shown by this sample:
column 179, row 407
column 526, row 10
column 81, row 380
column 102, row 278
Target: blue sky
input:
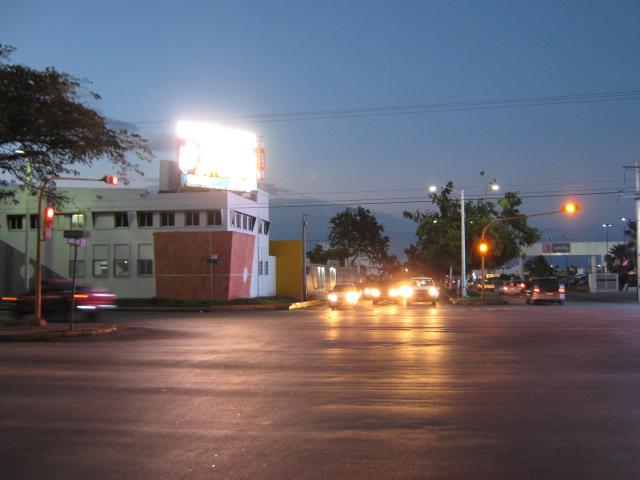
column 157, row 62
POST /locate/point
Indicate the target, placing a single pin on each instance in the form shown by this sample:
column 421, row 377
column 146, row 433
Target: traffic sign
column 78, row 242
column 77, row 234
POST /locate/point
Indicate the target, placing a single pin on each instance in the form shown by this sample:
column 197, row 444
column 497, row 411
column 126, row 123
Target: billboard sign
column 561, row 247
column 216, row 157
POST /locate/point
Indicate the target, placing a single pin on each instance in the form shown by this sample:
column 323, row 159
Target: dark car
column 545, row 290
column 390, row 291
column 56, row 300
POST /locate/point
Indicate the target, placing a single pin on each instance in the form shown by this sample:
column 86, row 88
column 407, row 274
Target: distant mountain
column 286, row 220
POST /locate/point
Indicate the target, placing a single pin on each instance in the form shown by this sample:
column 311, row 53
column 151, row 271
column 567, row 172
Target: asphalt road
column 517, row 392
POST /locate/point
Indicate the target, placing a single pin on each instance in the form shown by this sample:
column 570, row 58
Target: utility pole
column 637, row 225
column 304, row 258
column 463, row 249
column 27, row 225
column 636, row 197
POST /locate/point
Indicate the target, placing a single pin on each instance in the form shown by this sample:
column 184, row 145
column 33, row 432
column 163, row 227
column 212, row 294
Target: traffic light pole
column 38, row 320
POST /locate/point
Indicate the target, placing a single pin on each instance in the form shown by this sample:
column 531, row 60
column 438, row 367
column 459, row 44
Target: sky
column 155, row 63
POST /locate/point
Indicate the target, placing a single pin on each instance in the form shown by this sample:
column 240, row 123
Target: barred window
column 145, row 219
column 167, row 219
column 191, row 218
column 14, row 222
column 214, row 217
column 122, row 219
column 145, row 267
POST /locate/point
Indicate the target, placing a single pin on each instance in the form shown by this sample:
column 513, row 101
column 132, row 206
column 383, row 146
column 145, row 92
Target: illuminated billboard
column 211, row 156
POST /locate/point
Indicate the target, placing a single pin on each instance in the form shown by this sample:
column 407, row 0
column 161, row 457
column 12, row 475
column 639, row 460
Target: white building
column 145, row 245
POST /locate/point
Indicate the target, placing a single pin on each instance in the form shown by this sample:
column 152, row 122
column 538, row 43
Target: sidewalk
column 26, row 332
column 603, row 297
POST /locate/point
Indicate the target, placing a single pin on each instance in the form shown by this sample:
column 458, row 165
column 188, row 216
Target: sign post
column 213, row 261
column 77, row 238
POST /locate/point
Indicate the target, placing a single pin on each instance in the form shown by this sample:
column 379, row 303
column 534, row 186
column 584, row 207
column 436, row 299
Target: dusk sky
column 157, row 62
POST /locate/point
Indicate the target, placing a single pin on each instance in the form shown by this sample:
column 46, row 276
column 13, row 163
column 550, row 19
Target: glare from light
column 483, row 247
column 433, row 188
column 374, row 292
column 495, row 187
column 332, row 297
column 406, row 291
column 393, row 292
column 433, row 291
column 353, row 297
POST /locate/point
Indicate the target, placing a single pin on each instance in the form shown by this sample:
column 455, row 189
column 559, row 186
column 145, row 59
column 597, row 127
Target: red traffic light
column 110, row 179
column 49, row 213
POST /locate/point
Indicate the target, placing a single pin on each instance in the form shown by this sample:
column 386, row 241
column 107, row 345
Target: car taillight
column 505, row 288
column 80, row 295
column 536, row 290
column 522, row 285
column 561, row 290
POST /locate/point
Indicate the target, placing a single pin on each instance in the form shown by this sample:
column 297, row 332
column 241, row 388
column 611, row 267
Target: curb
column 308, row 303
column 38, row 336
column 208, row 308
column 468, row 302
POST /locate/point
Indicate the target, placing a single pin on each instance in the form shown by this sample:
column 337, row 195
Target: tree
column 438, row 233
column 44, row 123
column 355, row 233
column 538, row 267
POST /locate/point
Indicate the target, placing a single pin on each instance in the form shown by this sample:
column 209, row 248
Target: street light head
column 606, row 225
column 623, row 219
column 483, row 247
column 433, row 188
column 495, row 187
column 570, row 208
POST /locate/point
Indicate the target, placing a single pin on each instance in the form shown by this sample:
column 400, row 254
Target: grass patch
column 171, row 302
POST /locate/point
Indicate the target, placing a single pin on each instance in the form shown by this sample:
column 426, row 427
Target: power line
column 386, row 110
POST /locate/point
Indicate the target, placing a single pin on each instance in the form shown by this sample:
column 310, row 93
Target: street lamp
column 569, row 208
column 606, row 227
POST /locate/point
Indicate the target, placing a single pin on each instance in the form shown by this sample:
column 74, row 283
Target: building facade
column 206, row 245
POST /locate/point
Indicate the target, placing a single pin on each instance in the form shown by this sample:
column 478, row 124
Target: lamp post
column 463, row 236
column 569, row 208
column 606, row 227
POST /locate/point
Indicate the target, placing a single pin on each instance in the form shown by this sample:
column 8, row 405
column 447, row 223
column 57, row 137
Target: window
column 122, row 219
column 264, row 227
column 80, row 269
column 101, row 260
column 14, row 222
column 145, row 219
column 192, row 218
column 77, row 220
column 252, row 222
column 121, row 260
column 167, row 219
column 33, row 221
column 214, row 217
column 145, row 259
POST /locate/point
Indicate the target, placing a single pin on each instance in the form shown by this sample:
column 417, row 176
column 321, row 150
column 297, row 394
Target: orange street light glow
column 483, row 247
column 570, row 207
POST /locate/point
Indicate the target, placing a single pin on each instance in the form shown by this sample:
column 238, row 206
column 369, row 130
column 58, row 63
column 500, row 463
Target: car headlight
column 352, row 297
column 374, row 292
column 433, row 291
column 393, row 292
column 406, row 291
column 367, row 291
column 332, row 297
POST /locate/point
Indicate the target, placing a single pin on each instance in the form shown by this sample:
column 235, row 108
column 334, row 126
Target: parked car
column 343, row 294
column 424, row 290
column 56, row 300
column 545, row 289
column 513, row 287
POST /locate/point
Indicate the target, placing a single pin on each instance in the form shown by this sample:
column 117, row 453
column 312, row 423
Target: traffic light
column 110, row 179
column 570, row 208
column 49, row 213
column 483, row 247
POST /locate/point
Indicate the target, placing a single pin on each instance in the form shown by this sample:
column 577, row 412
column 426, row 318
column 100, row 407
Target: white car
column 424, row 290
column 343, row 294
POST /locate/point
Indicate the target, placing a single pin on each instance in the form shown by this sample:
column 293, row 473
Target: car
column 56, row 300
column 545, row 290
column 391, row 291
column 370, row 290
column 343, row 294
column 424, row 290
column 513, row 287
